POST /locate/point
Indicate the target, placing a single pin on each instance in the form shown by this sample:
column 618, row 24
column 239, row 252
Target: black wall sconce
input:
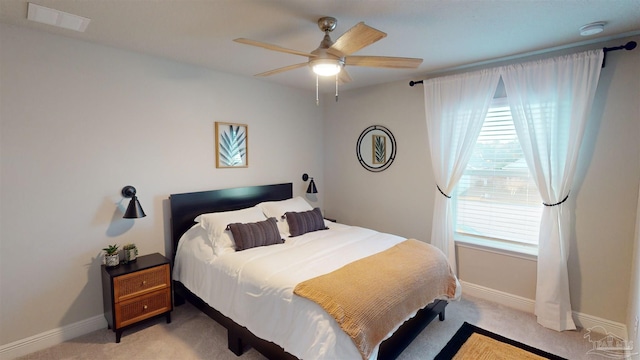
column 134, row 210
column 312, row 185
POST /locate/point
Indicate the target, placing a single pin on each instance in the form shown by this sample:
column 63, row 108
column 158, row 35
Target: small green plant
column 111, row 249
column 130, row 252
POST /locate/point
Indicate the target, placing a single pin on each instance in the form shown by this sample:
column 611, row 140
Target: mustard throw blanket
column 372, row 296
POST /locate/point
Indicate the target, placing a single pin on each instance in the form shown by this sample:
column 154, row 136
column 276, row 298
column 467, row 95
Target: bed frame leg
column 234, row 342
column 441, row 315
column 178, row 299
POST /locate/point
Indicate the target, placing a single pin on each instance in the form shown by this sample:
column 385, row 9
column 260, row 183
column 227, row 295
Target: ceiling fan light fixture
column 326, row 67
column 329, row 58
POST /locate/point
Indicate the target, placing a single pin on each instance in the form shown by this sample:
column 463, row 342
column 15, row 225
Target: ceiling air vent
column 57, row 18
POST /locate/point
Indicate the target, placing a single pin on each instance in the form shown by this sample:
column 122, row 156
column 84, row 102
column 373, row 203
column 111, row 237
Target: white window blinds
column 496, row 196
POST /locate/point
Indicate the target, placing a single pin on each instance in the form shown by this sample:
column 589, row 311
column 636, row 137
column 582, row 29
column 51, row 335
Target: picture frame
column 376, row 148
column 232, row 145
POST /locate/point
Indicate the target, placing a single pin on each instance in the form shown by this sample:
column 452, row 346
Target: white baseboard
column 581, row 320
column 611, row 327
column 51, row 337
column 500, row 297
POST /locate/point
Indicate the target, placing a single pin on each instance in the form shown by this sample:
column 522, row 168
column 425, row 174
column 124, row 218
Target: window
column 496, row 199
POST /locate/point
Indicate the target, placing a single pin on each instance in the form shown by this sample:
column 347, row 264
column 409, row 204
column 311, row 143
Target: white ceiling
column 446, row 34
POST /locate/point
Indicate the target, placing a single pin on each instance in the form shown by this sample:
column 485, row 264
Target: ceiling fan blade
column 282, row 69
column 344, row 77
column 383, row 62
column 272, row 47
column 354, row 39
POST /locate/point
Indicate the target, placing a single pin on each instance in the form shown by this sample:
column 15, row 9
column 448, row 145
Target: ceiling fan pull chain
column 317, row 98
column 337, row 87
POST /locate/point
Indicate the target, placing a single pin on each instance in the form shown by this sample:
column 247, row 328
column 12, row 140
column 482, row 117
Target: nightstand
column 136, row 291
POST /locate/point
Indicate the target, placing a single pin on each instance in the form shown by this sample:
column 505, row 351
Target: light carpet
column 193, row 335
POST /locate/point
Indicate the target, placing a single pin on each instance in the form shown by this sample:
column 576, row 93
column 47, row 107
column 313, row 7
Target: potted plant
column 130, row 252
column 111, row 256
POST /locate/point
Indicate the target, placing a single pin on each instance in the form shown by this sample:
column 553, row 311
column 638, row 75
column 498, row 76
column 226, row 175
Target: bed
column 203, row 272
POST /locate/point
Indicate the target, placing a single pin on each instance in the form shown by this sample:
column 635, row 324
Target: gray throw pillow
column 305, row 221
column 250, row 235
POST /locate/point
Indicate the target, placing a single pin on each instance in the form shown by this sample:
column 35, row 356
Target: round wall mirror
column 376, row 148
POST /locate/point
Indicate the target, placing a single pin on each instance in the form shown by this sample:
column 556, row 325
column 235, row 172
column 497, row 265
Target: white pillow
column 215, row 224
column 277, row 209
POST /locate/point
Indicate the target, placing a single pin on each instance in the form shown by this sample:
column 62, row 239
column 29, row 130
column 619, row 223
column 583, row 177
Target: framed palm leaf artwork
column 232, row 145
column 379, row 151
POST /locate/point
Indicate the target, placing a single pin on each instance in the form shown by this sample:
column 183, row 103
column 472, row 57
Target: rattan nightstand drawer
column 142, row 307
column 141, row 282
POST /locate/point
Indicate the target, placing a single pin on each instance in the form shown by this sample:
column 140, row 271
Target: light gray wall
column 79, row 122
column 606, row 202
column 494, row 270
column 400, row 199
column 634, row 284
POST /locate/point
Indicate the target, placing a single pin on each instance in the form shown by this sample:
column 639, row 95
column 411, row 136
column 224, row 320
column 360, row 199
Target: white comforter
column 255, row 287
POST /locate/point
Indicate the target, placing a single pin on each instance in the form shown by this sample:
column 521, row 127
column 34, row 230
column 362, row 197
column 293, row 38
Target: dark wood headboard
column 185, row 207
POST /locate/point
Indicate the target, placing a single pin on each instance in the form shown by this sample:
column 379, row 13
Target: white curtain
column 455, row 110
column 550, row 101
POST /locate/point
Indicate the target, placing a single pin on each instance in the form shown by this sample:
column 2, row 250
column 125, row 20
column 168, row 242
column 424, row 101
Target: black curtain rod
column 628, row 46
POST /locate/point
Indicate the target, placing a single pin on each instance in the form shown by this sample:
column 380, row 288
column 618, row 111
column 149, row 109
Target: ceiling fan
column 331, row 57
